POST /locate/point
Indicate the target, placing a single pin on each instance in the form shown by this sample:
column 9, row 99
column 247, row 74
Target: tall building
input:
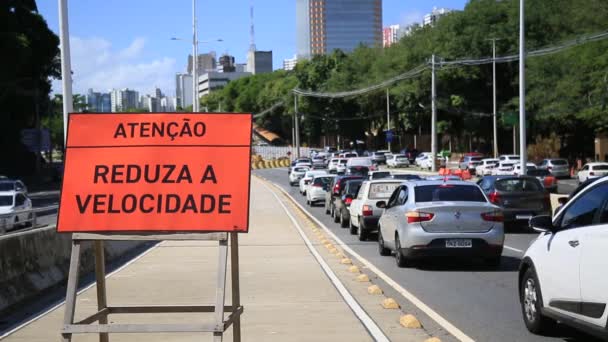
column 183, row 90
column 290, row 63
column 391, row 35
column 150, row 103
column 226, row 64
column 431, row 18
column 325, row 25
column 259, row 62
column 167, row 104
column 123, row 100
column 206, row 62
column 98, row 102
column 208, row 82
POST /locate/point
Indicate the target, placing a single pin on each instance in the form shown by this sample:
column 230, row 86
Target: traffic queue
column 418, row 217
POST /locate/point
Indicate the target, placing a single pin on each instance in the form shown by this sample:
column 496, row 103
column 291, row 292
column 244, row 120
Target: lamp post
column 66, row 69
column 522, row 91
column 494, row 123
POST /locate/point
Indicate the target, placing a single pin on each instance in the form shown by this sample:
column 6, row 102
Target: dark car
column 521, row 197
column 342, row 202
column 406, row 176
column 335, row 188
column 545, row 177
column 411, row 155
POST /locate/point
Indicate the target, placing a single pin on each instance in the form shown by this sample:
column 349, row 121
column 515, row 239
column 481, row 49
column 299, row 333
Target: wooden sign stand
column 104, row 329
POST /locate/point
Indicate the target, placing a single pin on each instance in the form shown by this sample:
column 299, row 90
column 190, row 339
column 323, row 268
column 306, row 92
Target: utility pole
column 433, row 116
column 66, row 68
column 297, row 125
column 494, row 96
column 523, row 158
column 194, row 60
column 388, row 117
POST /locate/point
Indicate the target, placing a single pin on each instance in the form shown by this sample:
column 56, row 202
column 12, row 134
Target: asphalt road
column 480, row 301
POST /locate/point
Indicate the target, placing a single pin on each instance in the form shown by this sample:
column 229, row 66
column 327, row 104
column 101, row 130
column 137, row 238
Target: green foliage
column 567, row 93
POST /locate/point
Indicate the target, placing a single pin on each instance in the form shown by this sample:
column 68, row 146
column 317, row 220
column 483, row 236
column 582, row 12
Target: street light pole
column 194, row 60
column 388, row 117
column 522, row 91
column 66, row 68
column 495, row 128
column 297, row 125
column 433, row 117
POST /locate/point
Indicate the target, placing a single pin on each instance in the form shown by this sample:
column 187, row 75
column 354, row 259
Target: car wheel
column 381, row 249
column 531, row 303
column 361, row 233
column 399, row 257
column 353, row 229
column 336, row 216
column 327, row 208
column 343, row 221
column 30, row 221
column 308, row 202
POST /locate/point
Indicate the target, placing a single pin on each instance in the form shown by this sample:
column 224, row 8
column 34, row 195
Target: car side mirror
column 381, row 205
column 542, row 224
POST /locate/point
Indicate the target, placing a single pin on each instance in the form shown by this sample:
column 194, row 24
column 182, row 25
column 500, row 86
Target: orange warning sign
column 156, row 173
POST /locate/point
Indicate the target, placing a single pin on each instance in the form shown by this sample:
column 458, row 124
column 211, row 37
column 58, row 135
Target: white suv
column 563, row 274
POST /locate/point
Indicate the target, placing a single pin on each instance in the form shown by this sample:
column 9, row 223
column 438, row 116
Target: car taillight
column 336, row 189
column 317, row 185
column 368, row 210
column 348, row 201
column 495, row 197
column 418, row 216
column 494, row 216
column 591, row 173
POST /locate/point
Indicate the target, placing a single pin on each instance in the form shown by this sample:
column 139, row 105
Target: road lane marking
column 60, row 303
column 449, row 327
column 514, row 249
column 367, row 321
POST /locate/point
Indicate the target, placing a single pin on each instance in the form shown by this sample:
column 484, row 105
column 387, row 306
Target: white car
column 297, row 174
column 364, row 215
column 426, row 162
column 15, row 209
column 337, row 165
column 517, row 168
column 422, row 156
column 504, row 168
column 397, row 160
column 562, row 276
column 308, row 176
column 508, row 157
column 486, row 166
column 360, row 161
column 592, row 170
column 317, row 189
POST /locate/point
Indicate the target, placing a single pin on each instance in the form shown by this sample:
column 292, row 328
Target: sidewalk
column 286, row 295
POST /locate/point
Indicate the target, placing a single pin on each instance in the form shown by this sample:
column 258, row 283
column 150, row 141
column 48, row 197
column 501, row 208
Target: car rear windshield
column 559, row 162
column 407, row 177
column 448, row 192
column 352, row 187
column 350, row 155
column 7, row 186
column 382, row 174
column 600, row 167
column 301, row 169
column 6, row 201
column 382, row 190
column 400, row 156
column 343, row 162
column 322, row 180
column 475, row 159
column 517, row 185
column 538, row 173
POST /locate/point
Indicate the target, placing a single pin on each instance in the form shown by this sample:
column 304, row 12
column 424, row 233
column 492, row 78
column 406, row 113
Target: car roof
column 500, row 177
column 384, row 180
column 10, row 193
column 590, row 164
column 440, row 182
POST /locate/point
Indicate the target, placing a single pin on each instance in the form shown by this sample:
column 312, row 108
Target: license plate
column 459, row 243
column 523, row 217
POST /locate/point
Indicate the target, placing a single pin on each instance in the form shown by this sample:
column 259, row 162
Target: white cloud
column 412, row 17
column 97, row 65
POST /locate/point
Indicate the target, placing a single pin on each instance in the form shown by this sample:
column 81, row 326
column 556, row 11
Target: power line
column 266, row 111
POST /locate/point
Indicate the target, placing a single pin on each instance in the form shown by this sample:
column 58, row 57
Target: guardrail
column 276, row 152
column 22, row 219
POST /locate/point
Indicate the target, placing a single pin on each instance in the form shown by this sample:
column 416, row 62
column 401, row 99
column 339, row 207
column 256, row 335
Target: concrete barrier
column 37, row 261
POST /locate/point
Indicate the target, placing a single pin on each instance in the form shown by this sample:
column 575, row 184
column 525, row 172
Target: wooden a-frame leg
column 100, row 276
column 236, row 294
column 72, row 288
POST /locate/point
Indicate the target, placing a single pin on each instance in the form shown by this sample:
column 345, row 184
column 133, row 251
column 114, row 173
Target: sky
column 127, row 43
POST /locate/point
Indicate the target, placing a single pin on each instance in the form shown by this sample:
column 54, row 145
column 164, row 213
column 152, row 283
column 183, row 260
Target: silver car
column 445, row 219
column 557, row 167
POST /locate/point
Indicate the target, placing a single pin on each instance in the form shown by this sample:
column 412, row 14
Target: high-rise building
column 97, row 102
column 259, row 62
column 208, row 82
column 206, row 62
column 391, row 35
column 167, row 104
column 226, row 64
column 431, row 18
column 325, row 25
column 183, row 90
column 290, row 63
column 241, row 67
column 123, row 100
column 106, row 103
